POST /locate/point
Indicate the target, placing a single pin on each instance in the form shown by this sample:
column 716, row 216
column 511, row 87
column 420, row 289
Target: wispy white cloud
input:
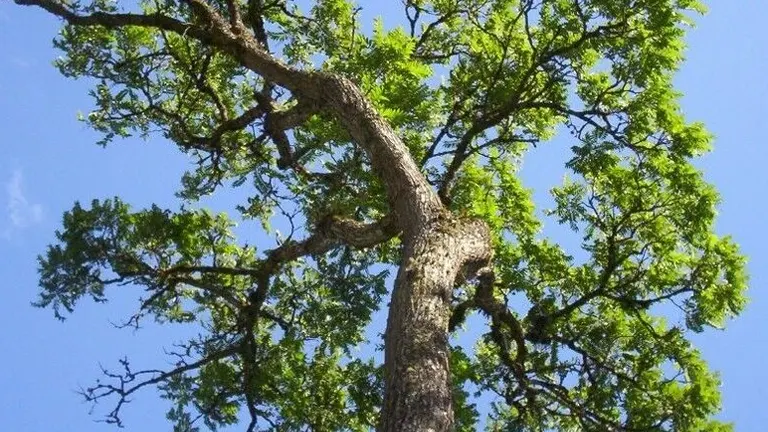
column 21, row 213
column 20, row 63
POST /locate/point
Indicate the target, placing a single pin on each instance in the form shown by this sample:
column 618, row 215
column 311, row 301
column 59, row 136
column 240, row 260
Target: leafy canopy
column 594, row 343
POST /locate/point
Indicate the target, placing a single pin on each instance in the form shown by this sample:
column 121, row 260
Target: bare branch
column 129, row 382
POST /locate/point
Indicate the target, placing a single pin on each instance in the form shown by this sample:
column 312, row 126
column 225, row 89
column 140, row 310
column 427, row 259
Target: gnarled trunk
column 418, row 394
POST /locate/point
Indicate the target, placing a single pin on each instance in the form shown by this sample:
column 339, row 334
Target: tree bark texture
column 418, row 391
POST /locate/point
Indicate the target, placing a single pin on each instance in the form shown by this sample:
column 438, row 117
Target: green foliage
column 469, row 86
column 108, row 245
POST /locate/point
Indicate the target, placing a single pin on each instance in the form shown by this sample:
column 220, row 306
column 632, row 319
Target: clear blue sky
column 48, row 160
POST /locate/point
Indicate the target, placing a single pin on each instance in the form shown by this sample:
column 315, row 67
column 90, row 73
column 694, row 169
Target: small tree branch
column 277, row 122
column 255, row 20
column 213, row 141
column 127, row 383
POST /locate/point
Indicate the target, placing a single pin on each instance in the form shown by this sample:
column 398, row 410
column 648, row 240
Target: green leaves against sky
column 469, row 86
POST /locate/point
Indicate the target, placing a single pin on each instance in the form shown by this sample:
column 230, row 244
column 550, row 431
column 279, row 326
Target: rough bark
column 418, row 387
column 438, row 248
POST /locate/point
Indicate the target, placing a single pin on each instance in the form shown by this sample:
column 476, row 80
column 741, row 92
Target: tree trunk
column 418, row 392
column 438, row 250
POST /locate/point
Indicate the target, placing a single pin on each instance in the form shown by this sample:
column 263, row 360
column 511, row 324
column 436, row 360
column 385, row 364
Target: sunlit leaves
column 108, row 245
column 469, row 87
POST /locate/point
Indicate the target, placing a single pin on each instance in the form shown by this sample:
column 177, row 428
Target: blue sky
column 48, row 160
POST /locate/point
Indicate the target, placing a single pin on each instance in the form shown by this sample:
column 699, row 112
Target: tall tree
column 399, row 149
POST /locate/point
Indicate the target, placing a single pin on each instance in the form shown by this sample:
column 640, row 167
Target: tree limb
column 412, row 198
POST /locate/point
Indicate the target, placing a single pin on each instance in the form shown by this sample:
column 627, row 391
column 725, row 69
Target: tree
column 352, row 141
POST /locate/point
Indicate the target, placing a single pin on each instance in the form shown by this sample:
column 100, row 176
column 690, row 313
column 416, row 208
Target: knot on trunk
column 475, row 248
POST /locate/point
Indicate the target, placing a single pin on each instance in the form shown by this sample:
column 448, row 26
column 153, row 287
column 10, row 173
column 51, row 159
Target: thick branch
column 414, row 201
column 501, row 316
column 331, row 232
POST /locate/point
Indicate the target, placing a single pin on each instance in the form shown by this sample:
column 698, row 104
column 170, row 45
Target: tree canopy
column 375, row 148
